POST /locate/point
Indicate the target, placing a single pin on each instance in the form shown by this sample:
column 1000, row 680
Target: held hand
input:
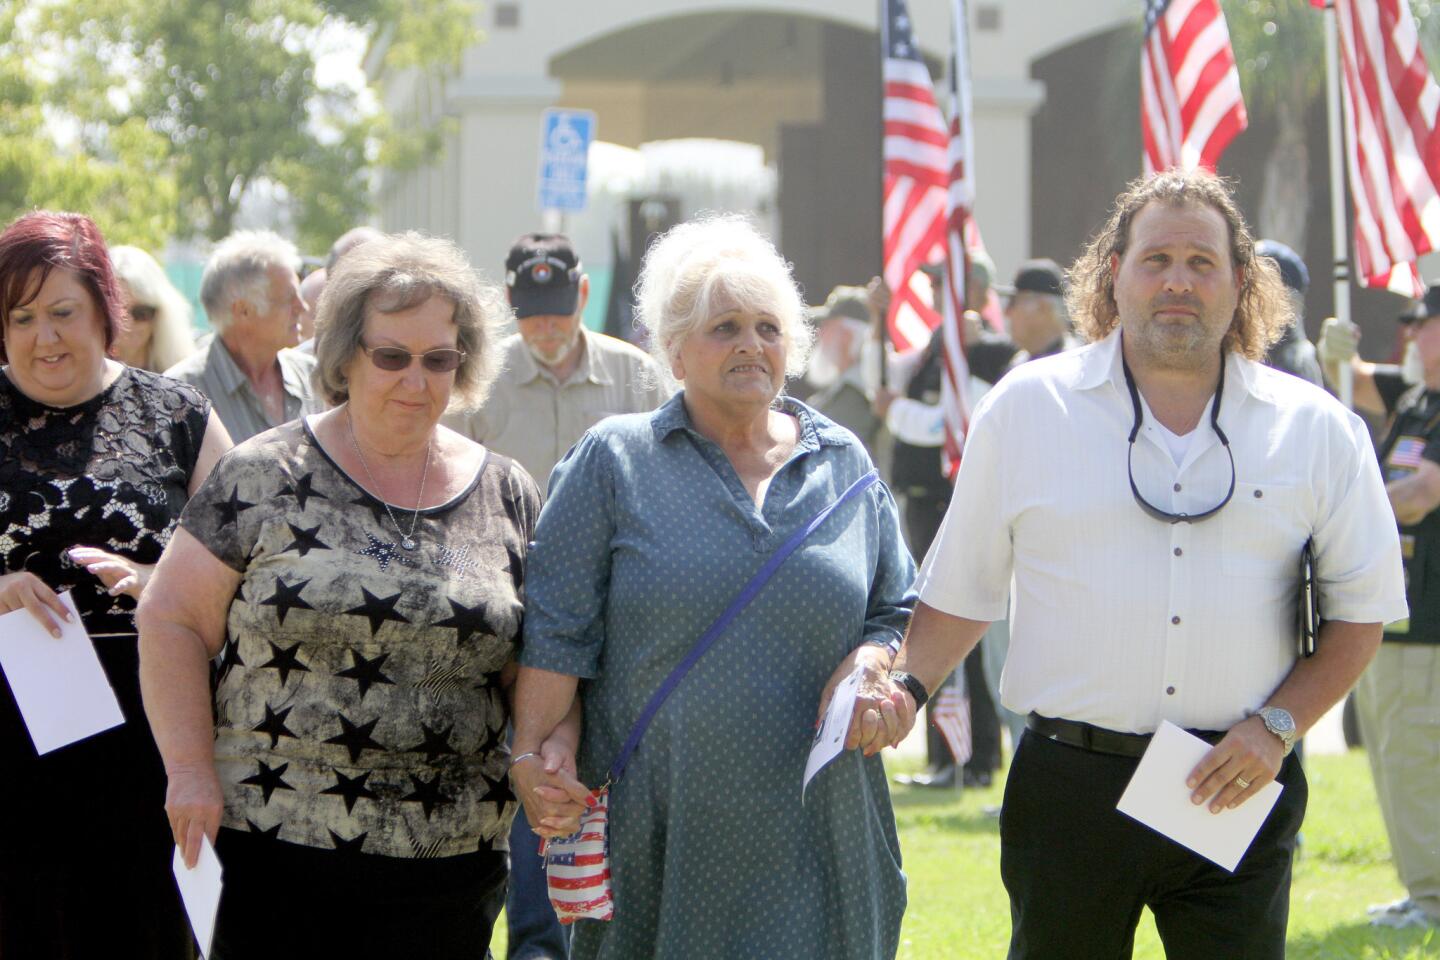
column 1235, row 768
column 878, row 297
column 1339, row 340
column 194, row 803
column 547, row 785
column 26, row 590
column 883, row 712
column 884, row 396
column 119, row 574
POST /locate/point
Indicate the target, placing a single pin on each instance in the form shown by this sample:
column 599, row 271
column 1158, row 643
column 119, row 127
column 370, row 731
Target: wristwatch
column 912, row 683
column 1279, row 722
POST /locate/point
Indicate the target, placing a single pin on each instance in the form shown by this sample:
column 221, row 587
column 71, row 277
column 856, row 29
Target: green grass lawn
column 958, row 909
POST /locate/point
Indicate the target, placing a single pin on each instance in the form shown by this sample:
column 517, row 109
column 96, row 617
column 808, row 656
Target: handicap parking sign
column 565, row 137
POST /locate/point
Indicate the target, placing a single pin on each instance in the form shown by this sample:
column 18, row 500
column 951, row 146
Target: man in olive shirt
column 557, row 378
column 251, row 293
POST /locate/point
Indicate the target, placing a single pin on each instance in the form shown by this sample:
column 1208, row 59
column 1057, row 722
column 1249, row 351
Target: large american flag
column 917, row 163
column 929, row 196
column 1392, row 110
column 1190, row 102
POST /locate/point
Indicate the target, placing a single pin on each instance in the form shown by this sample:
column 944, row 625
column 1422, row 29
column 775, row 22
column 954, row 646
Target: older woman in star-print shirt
column 359, row 573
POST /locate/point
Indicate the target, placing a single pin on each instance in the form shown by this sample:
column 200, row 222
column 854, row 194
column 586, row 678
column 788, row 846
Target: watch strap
column 911, row 683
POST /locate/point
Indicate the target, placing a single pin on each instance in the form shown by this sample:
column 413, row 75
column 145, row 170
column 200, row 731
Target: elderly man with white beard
column 836, row 371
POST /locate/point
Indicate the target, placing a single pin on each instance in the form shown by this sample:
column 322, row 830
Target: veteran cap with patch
column 542, row 275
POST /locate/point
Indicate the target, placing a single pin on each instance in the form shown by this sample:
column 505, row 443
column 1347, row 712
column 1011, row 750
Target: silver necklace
column 407, row 540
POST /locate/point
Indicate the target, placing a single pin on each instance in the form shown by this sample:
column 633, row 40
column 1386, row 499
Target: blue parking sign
column 565, row 137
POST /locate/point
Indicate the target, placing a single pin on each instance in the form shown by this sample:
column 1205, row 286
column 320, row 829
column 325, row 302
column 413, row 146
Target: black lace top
column 112, row 472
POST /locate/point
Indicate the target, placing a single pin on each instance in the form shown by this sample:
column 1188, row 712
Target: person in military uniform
column 1292, row 352
column 915, row 421
column 1398, row 697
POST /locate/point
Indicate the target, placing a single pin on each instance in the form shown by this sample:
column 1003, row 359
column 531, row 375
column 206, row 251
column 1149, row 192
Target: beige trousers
column 1398, row 704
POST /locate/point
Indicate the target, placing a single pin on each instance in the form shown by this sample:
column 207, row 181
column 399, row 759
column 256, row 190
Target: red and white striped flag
column 959, row 207
column 1190, row 102
column 915, row 151
column 951, row 716
column 1392, row 148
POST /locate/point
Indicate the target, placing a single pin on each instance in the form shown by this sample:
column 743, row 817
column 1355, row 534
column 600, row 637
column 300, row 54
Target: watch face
column 1279, row 720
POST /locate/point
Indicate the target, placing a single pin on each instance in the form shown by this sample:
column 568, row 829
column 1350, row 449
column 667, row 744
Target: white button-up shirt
column 1122, row 620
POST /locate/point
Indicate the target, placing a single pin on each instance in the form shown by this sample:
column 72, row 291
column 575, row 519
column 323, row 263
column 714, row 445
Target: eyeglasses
column 1164, row 515
column 443, row 360
column 142, row 313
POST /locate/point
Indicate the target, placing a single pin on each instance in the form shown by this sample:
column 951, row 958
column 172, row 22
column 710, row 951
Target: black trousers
column 923, row 516
column 1079, row 872
column 282, row 900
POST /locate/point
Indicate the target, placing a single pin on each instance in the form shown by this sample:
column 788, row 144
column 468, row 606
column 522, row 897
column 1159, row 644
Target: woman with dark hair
column 96, row 461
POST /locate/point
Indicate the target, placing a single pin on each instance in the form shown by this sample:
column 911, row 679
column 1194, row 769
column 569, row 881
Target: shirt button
column 1178, row 551
column 1177, row 488
column 1259, row 494
column 1170, row 691
column 1175, row 620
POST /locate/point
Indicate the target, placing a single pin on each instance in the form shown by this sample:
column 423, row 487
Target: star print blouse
column 358, row 702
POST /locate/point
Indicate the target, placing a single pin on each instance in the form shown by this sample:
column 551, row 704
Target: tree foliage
column 228, row 90
column 122, row 180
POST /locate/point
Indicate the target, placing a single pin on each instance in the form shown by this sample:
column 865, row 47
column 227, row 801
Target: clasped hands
column 548, row 786
column 884, row 711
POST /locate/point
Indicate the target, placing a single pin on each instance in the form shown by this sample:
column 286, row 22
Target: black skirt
column 284, row 900
column 85, row 846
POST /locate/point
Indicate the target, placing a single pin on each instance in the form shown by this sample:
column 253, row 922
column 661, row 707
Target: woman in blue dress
column 654, row 523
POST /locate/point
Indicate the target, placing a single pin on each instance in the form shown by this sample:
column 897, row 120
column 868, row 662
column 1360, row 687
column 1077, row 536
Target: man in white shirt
column 1154, row 581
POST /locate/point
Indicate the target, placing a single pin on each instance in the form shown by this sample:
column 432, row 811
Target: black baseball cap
column 1042, row 275
column 1426, row 307
column 542, row 274
column 1292, row 269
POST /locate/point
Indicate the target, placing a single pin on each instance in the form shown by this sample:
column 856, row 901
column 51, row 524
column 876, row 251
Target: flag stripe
column 1392, row 144
column 1191, row 106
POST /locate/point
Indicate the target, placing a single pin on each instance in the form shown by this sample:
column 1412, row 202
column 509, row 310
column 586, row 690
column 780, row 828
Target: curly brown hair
column 1263, row 308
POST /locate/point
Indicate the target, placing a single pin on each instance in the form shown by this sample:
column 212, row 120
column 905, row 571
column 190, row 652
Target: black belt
column 1098, row 739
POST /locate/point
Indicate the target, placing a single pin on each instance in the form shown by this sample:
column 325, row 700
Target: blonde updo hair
column 395, row 272
column 710, row 265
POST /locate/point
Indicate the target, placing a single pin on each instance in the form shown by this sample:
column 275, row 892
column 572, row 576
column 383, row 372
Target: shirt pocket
column 1262, row 531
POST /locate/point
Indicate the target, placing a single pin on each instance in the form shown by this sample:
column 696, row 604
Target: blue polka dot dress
column 647, row 536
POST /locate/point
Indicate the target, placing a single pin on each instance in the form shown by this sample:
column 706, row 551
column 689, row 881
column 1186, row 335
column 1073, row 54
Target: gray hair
column 707, row 261
column 239, row 270
column 395, row 272
column 172, row 339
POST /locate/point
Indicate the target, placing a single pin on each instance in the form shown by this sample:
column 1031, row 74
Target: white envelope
column 59, row 685
column 830, row 738
column 1158, row 797
column 200, row 891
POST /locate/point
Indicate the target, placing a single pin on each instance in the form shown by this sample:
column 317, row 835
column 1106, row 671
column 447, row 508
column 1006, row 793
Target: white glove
column 1338, row 342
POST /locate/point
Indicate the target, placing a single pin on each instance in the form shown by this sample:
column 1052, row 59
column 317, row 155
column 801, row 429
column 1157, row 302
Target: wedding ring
column 1243, row 783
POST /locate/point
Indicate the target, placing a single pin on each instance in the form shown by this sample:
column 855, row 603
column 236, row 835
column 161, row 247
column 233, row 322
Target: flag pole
column 882, row 334
column 1339, row 239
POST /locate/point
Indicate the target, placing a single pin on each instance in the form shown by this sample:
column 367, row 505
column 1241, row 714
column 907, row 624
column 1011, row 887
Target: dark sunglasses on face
column 434, row 361
column 141, row 313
